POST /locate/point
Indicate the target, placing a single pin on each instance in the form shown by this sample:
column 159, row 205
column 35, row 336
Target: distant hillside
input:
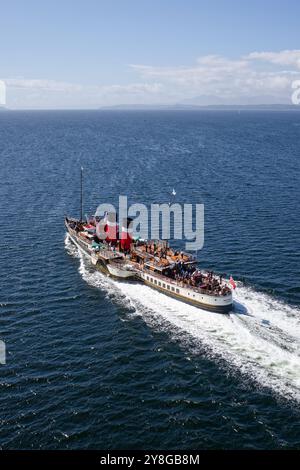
column 216, row 107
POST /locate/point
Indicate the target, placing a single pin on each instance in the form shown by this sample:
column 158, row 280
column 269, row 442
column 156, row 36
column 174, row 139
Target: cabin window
column 173, row 289
column 147, row 278
column 164, row 285
column 177, row 290
column 155, row 281
column 168, row 287
column 159, row 283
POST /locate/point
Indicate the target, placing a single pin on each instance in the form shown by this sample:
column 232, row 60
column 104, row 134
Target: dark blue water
column 93, row 363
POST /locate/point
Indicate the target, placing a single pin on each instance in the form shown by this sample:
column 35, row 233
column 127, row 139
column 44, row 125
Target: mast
column 81, row 194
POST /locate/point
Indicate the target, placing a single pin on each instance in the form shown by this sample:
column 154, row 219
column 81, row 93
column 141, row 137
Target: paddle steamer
column 153, row 262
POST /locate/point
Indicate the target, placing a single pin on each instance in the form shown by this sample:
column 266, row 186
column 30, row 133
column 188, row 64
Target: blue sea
column 99, row 364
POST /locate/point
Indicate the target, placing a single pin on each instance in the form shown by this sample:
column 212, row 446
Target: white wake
column 260, row 339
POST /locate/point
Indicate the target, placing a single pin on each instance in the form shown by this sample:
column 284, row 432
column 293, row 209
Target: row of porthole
column 162, row 284
column 168, row 287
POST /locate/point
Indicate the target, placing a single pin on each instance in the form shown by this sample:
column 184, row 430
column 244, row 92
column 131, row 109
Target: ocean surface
column 94, row 363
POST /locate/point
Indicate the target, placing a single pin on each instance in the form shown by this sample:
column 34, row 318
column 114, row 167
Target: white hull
column 210, row 302
column 111, row 268
column 117, row 272
column 220, row 303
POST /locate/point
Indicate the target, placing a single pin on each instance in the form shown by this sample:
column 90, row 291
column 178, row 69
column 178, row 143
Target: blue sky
column 92, row 53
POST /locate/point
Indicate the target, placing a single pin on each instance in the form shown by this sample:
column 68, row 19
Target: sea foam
column 260, row 338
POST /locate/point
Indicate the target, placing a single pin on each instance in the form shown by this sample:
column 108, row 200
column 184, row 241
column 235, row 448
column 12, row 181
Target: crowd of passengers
column 189, row 275
column 77, row 226
column 153, row 248
column 180, row 272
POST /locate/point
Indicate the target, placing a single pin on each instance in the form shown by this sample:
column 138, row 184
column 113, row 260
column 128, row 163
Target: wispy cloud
column 42, row 93
column 230, row 80
column 285, row 58
column 44, row 85
column 57, row 86
column 255, row 77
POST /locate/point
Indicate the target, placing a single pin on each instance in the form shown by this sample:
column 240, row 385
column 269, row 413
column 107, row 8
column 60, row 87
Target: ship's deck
column 176, row 283
column 156, row 264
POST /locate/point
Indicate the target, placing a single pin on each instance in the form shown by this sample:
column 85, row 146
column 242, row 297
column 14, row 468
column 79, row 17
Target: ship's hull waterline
column 217, row 304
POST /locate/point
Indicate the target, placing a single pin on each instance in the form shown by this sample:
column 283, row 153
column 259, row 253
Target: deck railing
column 178, row 283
